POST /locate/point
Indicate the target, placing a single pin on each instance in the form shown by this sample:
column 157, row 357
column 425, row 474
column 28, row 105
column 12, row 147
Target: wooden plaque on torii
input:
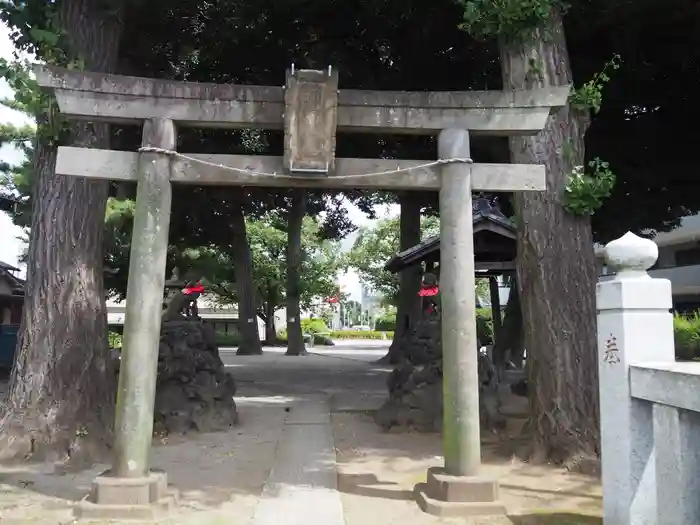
column 310, row 120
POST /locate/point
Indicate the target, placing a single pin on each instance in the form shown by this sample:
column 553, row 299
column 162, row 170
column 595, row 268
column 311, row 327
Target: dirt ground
column 378, row 470
column 220, row 476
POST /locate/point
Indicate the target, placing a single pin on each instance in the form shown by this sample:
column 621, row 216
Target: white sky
column 11, row 247
column 350, row 282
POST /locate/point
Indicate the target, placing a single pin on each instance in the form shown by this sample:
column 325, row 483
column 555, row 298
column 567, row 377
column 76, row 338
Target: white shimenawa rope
column 171, row 153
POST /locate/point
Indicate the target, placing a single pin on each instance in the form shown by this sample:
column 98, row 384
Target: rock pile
column 415, row 388
column 193, row 391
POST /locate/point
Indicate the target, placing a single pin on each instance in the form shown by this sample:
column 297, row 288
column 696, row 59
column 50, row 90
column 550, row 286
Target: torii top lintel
column 115, row 98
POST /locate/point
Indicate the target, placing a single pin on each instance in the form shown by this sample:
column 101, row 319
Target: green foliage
column 589, row 97
column 357, row 334
column 511, row 20
column 115, row 339
column 314, row 326
column 374, row 247
column 482, row 288
column 268, row 244
column 42, row 36
column 322, row 340
column 484, row 326
column 230, row 339
column 119, row 219
column 386, row 322
column 686, row 330
column 51, row 128
column 585, row 193
column 16, row 180
column 308, row 326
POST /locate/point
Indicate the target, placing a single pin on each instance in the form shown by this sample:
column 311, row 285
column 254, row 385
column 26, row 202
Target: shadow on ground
column 556, row 519
column 209, row 470
column 370, row 486
column 384, row 468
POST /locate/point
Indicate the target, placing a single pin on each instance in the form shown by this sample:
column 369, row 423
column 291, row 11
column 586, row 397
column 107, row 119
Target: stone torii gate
column 310, row 109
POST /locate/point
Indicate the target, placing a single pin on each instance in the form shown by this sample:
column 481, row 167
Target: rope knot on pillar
column 153, row 149
column 457, row 160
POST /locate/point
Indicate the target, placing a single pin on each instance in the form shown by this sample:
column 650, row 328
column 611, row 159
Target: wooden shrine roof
column 494, row 243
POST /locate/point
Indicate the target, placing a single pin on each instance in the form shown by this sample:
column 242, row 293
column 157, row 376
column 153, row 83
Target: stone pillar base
column 455, row 496
column 132, row 499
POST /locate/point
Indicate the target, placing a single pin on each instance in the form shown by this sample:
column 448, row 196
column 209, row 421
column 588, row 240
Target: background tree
column 373, row 248
column 556, row 263
column 268, row 244
column 61, row 390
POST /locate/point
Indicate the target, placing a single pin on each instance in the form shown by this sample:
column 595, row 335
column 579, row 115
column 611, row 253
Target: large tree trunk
column 408, row 308
column 245, row 290
column 270, row 329
column 62, row 392
column 556, row 263
column 295, row 338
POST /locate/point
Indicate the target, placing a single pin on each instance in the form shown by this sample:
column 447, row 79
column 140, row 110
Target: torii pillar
column 457, row 489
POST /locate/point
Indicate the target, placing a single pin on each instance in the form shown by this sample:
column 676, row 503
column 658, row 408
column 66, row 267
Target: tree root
column 561, row 447
column 40, row 439
column 246, row 350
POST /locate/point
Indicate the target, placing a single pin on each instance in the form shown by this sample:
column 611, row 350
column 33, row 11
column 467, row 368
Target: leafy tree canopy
column 374, row 246
column 267, row 238
column 414, row 44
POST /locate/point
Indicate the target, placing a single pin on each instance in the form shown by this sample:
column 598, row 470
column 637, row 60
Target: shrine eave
column 487, row 219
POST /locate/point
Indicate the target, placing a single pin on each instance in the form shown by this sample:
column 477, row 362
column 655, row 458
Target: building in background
column 11, row 302
column 11, row 295
column 224, row 318
column 679, row 262
column 370, row 305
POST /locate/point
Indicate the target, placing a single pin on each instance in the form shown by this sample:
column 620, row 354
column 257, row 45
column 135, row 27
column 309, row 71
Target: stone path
column 302, row 487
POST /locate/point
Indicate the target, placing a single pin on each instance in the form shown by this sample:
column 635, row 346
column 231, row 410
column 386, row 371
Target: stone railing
column 649, row 403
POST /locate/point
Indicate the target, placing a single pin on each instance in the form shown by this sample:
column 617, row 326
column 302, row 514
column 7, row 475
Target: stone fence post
column 635, row 326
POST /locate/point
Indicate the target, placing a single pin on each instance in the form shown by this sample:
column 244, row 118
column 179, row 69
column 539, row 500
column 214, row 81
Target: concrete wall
column 649, row 403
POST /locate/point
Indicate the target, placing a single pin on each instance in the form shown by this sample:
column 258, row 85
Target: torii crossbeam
column 310, row 109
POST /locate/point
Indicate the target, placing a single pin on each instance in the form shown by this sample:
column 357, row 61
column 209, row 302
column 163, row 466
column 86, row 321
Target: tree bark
column 270, row 329
column 62, row 391
column 408, row 308
column 295, row 337
column 556, row 264
column 245, row 290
